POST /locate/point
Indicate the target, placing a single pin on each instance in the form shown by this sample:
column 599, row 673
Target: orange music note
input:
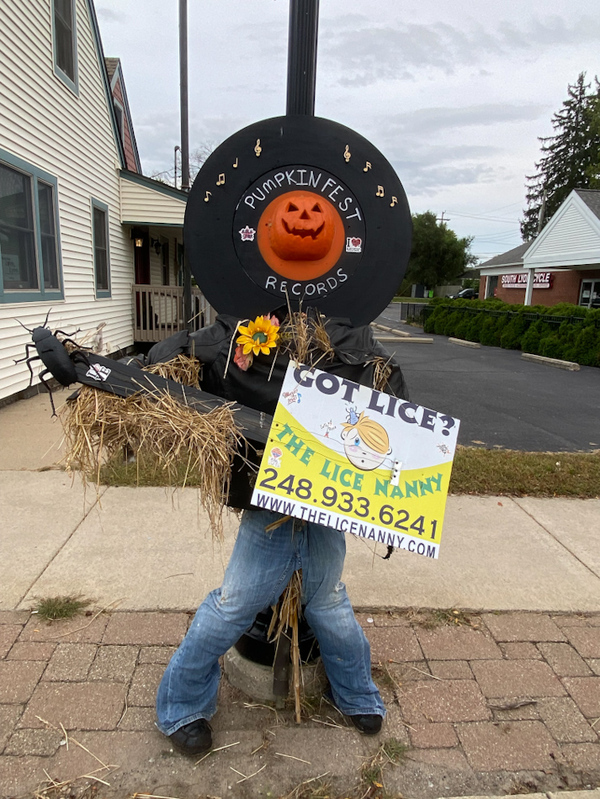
column 367, row 166
column 380, row 192
column 207, row 195
column 221, row 179
column 394, row 201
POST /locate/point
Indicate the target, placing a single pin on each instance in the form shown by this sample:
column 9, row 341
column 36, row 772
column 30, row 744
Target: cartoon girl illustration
column 366, row 443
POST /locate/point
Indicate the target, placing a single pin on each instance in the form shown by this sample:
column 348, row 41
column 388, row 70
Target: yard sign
column 358, row 460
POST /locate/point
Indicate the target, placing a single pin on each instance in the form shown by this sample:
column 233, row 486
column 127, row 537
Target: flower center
column 259, row 337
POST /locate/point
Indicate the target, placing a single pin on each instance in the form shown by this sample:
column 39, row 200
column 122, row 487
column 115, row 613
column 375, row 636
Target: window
column 590, row 294
column 119, row 117
column 491, row 285
column 65, row 60
column 100, row 238
column 29, row 246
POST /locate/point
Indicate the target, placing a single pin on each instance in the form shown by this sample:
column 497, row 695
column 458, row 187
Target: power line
column 487, row 218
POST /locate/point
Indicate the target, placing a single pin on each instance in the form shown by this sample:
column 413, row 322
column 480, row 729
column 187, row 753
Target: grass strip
column 476, row 471
column 534, row 474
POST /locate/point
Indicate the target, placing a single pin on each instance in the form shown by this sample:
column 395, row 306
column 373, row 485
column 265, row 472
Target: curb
column 391, row 330
column 592, row 793
column 410, row 340
column 463, row 343
column 570, row 365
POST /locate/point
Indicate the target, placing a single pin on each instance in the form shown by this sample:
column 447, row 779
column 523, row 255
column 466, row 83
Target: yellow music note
column 235, row 166
column 347, row 154
column 207, row 195
column 394, row 201
column 367, row 166
column 380, row 192
column 221, row 179
column 258, row 148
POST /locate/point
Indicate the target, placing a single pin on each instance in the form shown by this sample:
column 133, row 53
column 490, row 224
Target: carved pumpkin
column 302, row 227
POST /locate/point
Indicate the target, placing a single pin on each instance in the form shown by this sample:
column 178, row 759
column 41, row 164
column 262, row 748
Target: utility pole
column 176, row 149
column 185, row 150
column 541, row 214
column 441, row 219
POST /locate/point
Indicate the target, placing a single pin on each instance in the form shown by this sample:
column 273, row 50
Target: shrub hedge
column 564, row 331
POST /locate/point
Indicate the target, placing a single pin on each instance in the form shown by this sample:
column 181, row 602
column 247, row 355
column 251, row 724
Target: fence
column 405, row 311
column 158, row 312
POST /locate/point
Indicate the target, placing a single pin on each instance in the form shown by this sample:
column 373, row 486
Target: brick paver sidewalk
column 485, row 704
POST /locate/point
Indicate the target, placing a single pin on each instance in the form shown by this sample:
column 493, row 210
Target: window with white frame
column 590, row 294
column 101, row 253
column 30, row 266
column 65, row 41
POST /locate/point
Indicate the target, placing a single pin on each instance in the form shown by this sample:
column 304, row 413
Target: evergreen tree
column 593, row 170
column 568, row 157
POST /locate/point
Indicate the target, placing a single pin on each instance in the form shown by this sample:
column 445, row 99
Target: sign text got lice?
column 381, row 403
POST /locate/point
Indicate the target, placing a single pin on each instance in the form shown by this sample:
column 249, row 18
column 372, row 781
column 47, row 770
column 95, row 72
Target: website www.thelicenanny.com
column 338, row 521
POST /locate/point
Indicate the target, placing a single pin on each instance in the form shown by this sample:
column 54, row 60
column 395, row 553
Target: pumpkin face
column 302, row 227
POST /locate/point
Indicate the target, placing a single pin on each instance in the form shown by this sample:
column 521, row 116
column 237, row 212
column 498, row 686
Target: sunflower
column 258, row 336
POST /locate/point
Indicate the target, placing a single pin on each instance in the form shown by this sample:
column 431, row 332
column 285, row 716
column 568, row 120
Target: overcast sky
column 455, row 94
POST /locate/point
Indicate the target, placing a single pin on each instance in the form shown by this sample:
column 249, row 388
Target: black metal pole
column 302, row 57
column 183, row 96
column 185, row 151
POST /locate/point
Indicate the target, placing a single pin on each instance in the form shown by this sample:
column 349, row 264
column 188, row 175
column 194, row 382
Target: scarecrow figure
column 301, row 261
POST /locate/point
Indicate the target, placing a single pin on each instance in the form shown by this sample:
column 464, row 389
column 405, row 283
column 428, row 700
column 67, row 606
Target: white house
column 83, row 234
column 561, row 265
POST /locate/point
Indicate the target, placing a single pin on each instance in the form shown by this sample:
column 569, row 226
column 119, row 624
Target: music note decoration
column 368, row 165
column 394, row 201
column 237, row 161
column 380, row 192
column 207, row 195
column 347, row 154
column 258, row 148
column 221, row 180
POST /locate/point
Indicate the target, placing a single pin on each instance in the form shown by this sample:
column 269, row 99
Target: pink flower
column 274, row 321
column 243, row 362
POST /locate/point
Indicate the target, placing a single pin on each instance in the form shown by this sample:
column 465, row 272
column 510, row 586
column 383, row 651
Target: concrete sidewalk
column 504, row 699
column 152, row 548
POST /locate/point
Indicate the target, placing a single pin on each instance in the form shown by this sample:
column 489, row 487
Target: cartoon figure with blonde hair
column 366, row 443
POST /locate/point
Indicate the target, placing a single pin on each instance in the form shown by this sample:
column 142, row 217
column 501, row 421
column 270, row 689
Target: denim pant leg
column 259, row 569
column 344, row 648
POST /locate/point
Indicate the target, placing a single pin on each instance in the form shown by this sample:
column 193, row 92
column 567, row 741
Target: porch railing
column 158, row 311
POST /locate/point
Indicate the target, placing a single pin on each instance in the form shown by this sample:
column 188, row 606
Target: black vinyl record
column 298, row 209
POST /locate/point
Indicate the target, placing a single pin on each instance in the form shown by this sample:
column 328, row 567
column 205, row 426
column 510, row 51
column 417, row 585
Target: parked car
column 465, row 294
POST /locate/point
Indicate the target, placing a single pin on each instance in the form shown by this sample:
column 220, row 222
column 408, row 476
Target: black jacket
column 260, row 386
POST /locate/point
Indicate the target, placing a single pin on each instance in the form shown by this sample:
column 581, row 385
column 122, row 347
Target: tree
column 593, row 170
column 570, row 157
column 438, row 256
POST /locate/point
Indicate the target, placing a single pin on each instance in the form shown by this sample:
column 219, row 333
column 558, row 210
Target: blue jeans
column 259, row 570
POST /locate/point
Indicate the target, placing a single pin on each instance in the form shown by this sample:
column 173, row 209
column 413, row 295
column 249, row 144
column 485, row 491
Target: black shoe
column 194, row 738
column 369, row 724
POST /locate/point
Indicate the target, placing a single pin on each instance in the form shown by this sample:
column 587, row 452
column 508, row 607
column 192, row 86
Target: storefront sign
column 541, row 280
column 358, row 460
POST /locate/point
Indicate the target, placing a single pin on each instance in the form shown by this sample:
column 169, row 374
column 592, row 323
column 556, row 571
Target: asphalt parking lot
column 501, row 399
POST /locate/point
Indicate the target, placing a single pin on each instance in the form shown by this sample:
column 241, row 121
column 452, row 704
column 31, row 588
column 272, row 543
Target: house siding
column 71, row 137
column 572, row 237
column 128, row 147
column 154, row 208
